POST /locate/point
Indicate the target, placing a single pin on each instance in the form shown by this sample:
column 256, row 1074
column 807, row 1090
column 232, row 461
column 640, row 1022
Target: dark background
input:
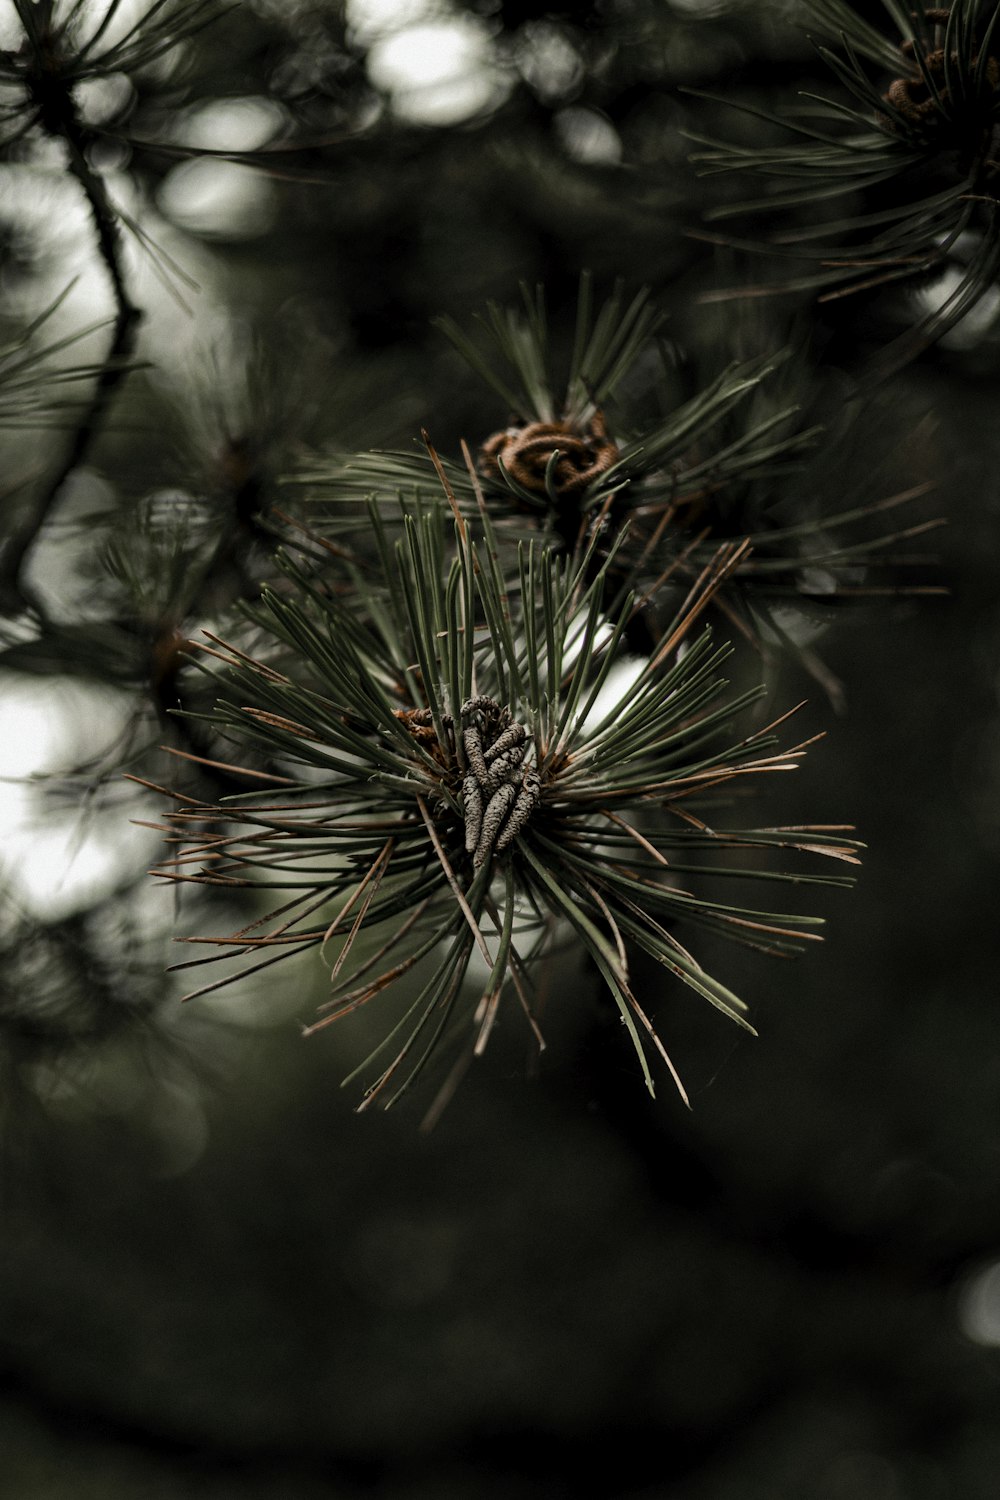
column 214, row 1278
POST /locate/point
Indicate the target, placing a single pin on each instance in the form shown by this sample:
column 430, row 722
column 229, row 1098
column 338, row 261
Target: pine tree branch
column 61, row 120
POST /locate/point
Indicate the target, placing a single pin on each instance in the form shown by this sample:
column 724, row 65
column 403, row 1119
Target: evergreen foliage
column 906, row 156
column 434, row 521
column 591, row 528
column 455, row 767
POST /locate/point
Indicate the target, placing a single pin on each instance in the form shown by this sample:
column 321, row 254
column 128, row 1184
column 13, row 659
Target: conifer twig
column 60, row 118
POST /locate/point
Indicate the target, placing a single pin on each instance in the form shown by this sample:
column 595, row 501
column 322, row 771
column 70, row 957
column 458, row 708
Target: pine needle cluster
column 602, row 457
column 459, row 773
column 906, row 155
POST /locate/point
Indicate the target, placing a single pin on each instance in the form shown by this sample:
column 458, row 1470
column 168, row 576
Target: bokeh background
column 215, row 1279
